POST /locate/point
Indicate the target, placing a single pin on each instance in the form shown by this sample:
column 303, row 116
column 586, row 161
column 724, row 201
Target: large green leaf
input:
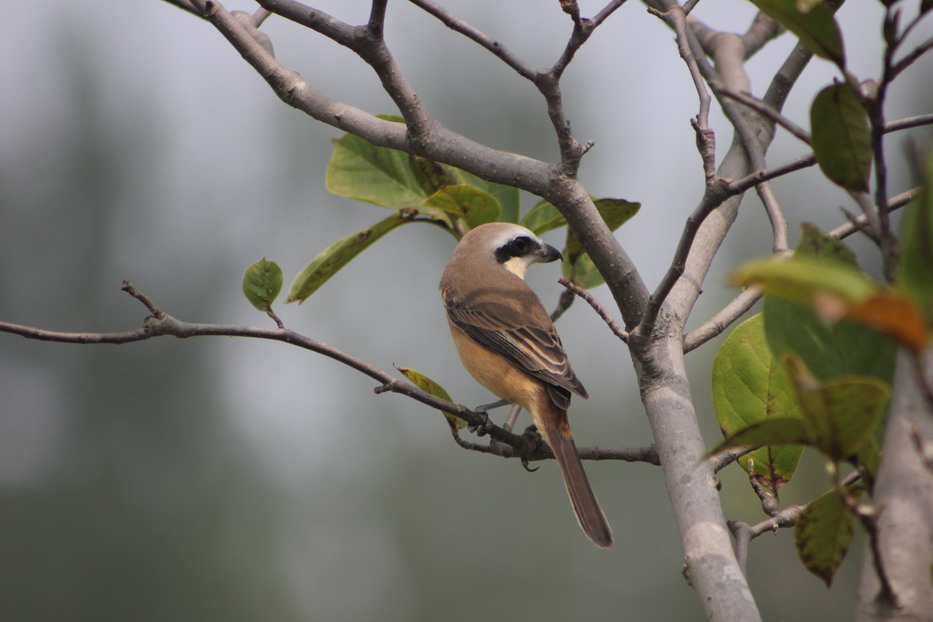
column 750, row 387
column 813, row 24
column 472, row 205
column 578, row 268
column 360, row 170
column 427, row 384
column 828, row 349
column 339, row 254
column 394, row 179
column 823, row 535
column 841, row 136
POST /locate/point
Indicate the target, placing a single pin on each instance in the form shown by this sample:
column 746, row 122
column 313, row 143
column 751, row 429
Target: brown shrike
column 507, row 342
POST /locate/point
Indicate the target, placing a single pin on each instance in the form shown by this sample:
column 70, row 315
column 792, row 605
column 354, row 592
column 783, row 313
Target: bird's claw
column 528, row 468
column 482, row 428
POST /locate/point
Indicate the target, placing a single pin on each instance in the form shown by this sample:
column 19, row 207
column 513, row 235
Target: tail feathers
column 589, row 514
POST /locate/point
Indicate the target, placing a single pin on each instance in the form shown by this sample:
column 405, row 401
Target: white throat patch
column 517, row 265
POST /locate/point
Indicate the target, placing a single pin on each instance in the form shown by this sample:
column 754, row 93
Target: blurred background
column 228, row 479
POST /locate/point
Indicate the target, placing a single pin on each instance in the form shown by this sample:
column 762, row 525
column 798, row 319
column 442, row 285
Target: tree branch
column 740, row 305
column 495, row 47
column 161, row 324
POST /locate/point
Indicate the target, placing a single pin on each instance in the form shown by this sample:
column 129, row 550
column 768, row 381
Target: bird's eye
column 521, row 244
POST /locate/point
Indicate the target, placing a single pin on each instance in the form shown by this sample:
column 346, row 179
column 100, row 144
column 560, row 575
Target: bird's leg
column 509, row 422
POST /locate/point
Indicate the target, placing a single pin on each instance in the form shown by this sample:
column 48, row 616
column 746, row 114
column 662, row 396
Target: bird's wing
column 526, row 341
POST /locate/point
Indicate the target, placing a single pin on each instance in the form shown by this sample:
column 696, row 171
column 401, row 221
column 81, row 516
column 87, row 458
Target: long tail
column 589, row 514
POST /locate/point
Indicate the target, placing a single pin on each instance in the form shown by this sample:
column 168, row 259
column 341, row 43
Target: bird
column 507, row 342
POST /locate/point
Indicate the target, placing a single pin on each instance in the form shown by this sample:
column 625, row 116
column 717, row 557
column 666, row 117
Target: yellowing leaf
column 471, row 204
column 426, row 384
column 823, row 535
column 894, row 315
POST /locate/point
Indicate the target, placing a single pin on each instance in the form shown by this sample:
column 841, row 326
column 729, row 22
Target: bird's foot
column 483, row 428
column 534, row 437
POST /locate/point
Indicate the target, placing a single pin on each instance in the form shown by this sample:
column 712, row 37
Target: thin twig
column 788, row 516
column 770, row 503
column 722, row 459
column 706, row 140
column 716, row 325
column 913, row 55
column 585, row 295
column 739, row 186
column 458, row 25
column 767, row 111
column 563, row 303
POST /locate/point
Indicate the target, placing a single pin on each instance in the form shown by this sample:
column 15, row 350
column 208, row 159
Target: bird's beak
column 547, row 253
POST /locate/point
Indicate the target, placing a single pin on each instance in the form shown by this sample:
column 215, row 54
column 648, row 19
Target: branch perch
column 161, row 324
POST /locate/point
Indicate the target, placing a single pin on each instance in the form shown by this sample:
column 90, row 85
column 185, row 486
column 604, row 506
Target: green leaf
column 808, row 280
column 750, row 389
column 914, row 274
column 543, row 217
column 339, row 254
column 386, row 177
column 262, row 283
column 578, row 268
column 841, row 136
column 390, row 178
column 436, row 175
column 814, row 243
column 839, row 415
column 775, row 433
column 471, row 204
column 823, row 535
column 426, row 384
column 507, row 196
column 827, row 349
column 615, row 213
column 814, row 25
column 583, row 272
